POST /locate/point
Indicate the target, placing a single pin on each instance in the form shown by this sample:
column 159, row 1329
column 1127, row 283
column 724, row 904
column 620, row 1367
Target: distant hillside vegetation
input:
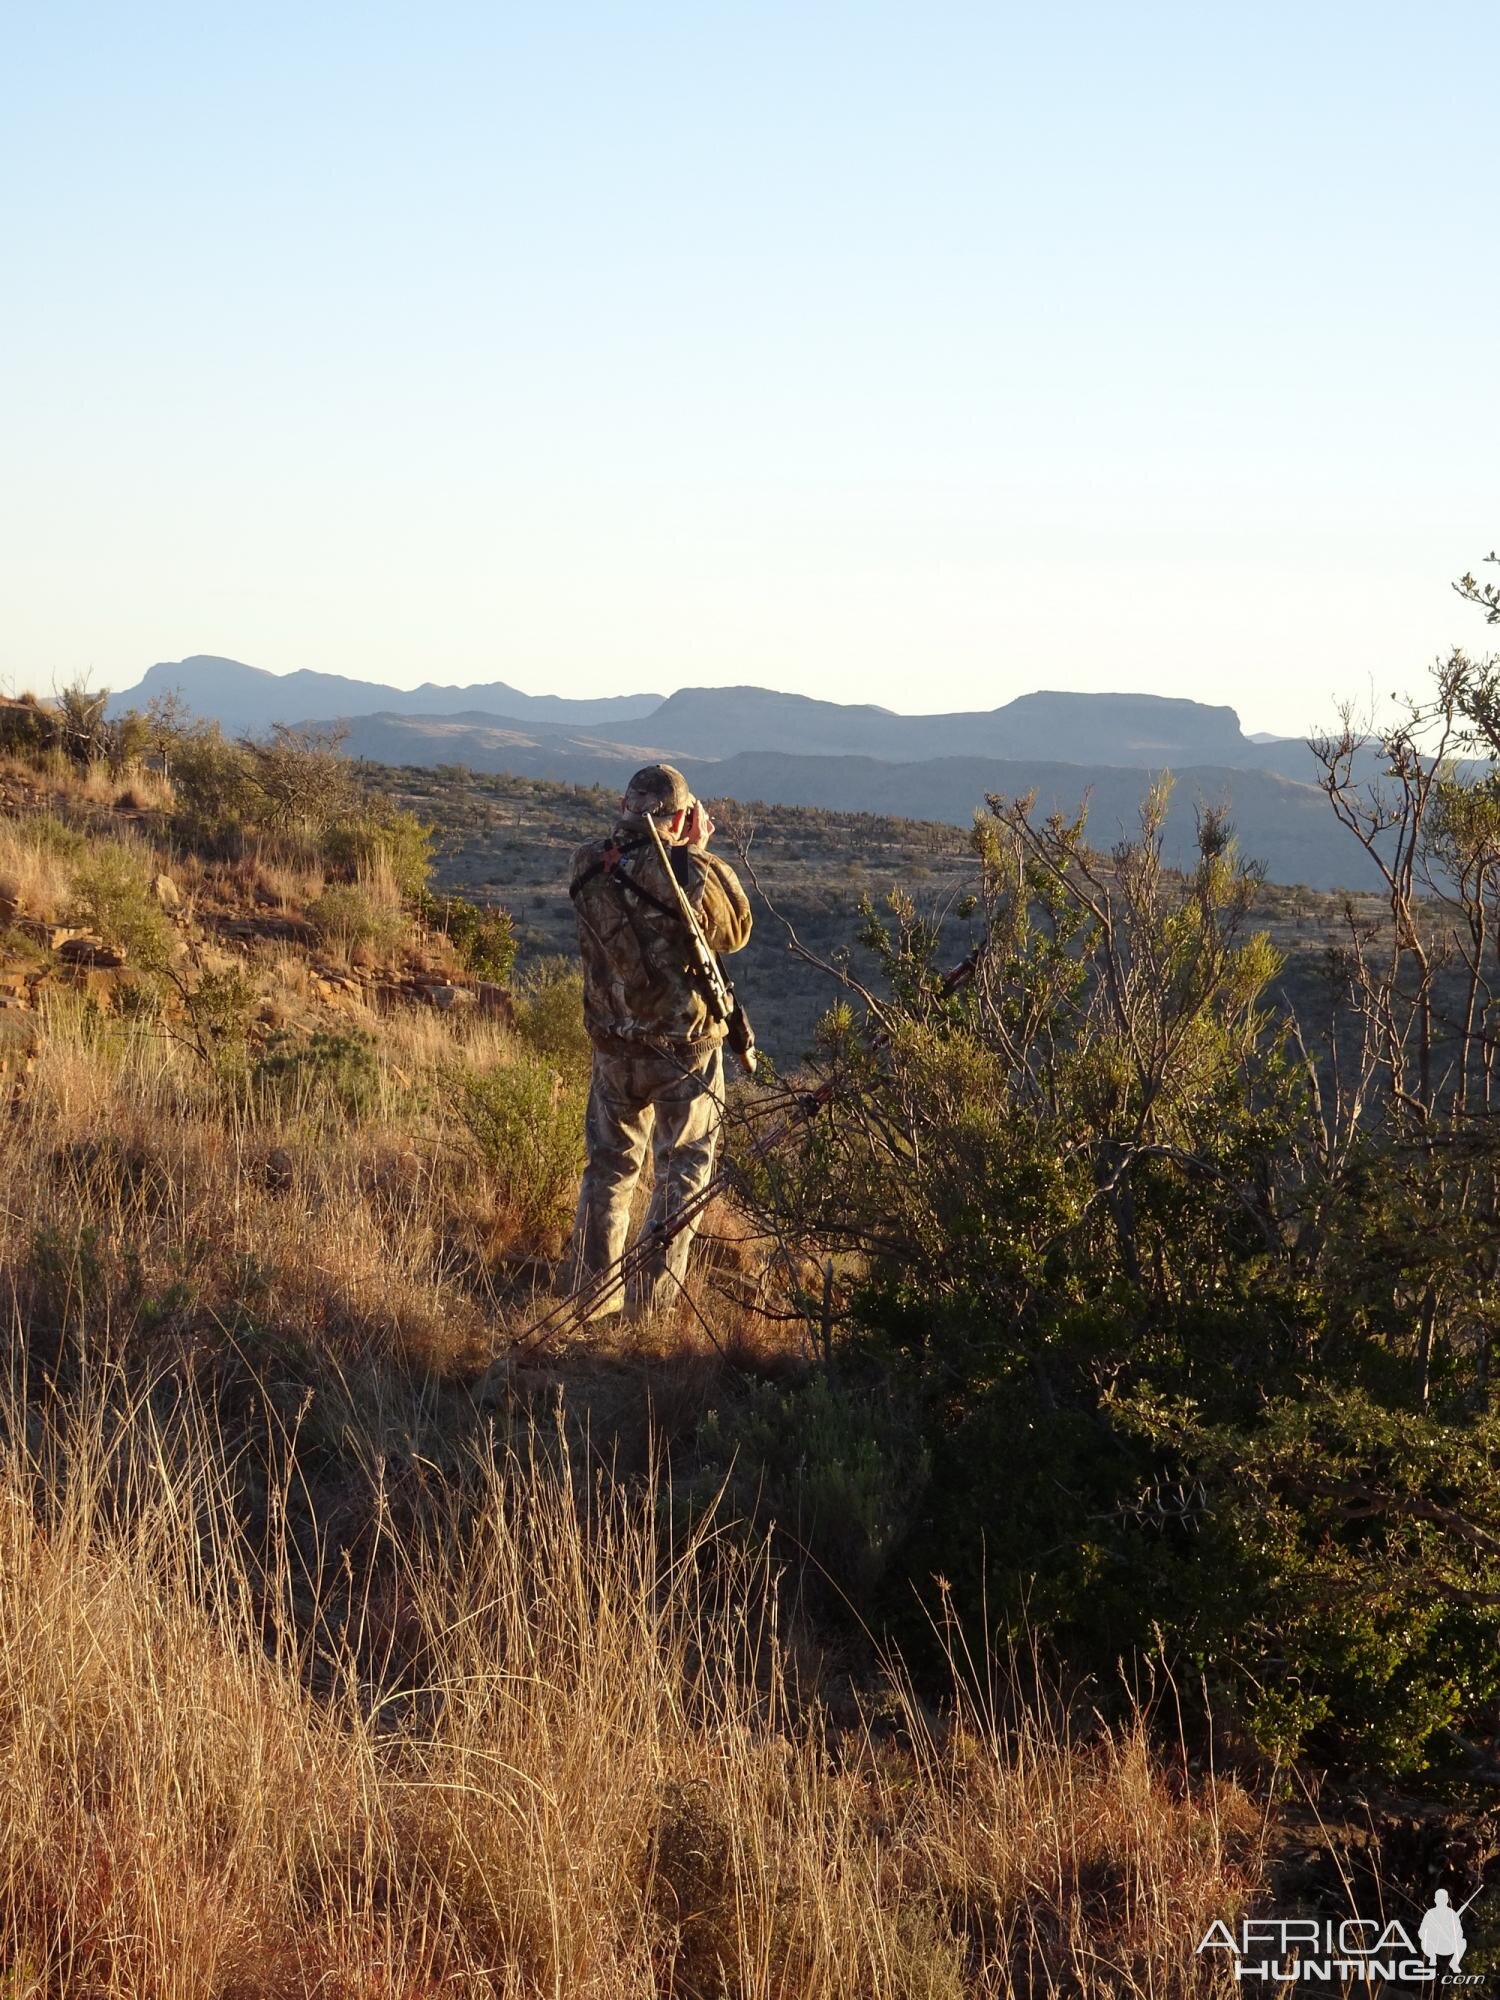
column 752, row 743
column 1283, row 825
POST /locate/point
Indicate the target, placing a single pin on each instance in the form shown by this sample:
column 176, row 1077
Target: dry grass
column 249, row 882
column 286, row 888
column 423, row 1040
column 378, row 880
column 538, row 1746
column 343, row 1225
column 34, row 875
column 96, row 783
column 136, row 788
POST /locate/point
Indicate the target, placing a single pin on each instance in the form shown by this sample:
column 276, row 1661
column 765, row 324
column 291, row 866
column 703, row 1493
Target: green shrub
column 1189, row 1381
column 1297, row 1552
column 334, row 1070
column 549, row 1015
column 222, row 1006
column 378, row 838
column 212, row 782
column 127, row 741
column 299, row 780
column 66, row 1279
column 1354, row 1550
column 84, row 729
column 27, row 728
column 112, row 895
column 293, row 789
column 526, row 1119
column 482, row 934
column 347, row 916
column 54, row 836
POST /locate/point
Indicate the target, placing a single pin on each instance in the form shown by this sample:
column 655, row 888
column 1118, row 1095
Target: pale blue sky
column 916, row 354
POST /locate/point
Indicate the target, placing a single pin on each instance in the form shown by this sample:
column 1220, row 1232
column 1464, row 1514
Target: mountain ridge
column 242, row 697
column 751, row 743
column 1126, row 728
column 1139, row 729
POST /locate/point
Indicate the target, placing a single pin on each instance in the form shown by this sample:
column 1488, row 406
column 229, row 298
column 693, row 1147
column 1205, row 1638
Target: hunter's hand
column 700, row 827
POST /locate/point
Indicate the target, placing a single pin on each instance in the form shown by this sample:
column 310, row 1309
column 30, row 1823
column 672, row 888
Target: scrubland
column 319, row 1674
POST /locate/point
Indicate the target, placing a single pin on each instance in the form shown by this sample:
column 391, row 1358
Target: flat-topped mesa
column 1122, row 728
column 1144, row 730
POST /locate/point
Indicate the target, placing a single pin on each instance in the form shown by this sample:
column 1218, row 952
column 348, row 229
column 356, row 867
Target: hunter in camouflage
column 658, row 1074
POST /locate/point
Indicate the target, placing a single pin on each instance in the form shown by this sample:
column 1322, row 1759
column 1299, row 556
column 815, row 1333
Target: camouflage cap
column 658, row 788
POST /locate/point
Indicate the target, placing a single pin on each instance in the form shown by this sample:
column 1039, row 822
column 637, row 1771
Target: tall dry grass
column 140, row 1190
column 36, row 875
column 135, row 785
column 531, row 1742
column 43, row 861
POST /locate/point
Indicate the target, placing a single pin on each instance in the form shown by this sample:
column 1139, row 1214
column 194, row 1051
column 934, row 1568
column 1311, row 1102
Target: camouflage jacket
column 636, row 982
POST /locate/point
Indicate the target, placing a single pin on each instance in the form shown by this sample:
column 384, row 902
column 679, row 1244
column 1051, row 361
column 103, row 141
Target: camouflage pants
column 674, row 1104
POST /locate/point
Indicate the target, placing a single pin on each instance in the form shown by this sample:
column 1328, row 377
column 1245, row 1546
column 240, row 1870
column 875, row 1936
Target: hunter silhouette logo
column 1359, row 1950
column 1442, row 1934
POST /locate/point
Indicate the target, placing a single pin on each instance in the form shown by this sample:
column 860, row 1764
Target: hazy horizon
column 661, row 693
column 925, row 360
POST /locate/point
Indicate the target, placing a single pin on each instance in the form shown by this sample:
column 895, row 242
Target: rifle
column 723, row 1002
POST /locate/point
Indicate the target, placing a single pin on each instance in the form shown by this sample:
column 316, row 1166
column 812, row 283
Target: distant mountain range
column 248, row 698
column 751, row 743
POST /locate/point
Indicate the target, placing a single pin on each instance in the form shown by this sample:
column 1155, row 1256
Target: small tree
column 1419, row 1064
column 212, row 780
column 167, row 723
column 300, row 777
column 83, row 727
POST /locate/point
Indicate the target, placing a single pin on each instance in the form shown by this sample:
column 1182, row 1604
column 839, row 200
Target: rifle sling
column 627, row 883
column 610, row 867
column 614, row 853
